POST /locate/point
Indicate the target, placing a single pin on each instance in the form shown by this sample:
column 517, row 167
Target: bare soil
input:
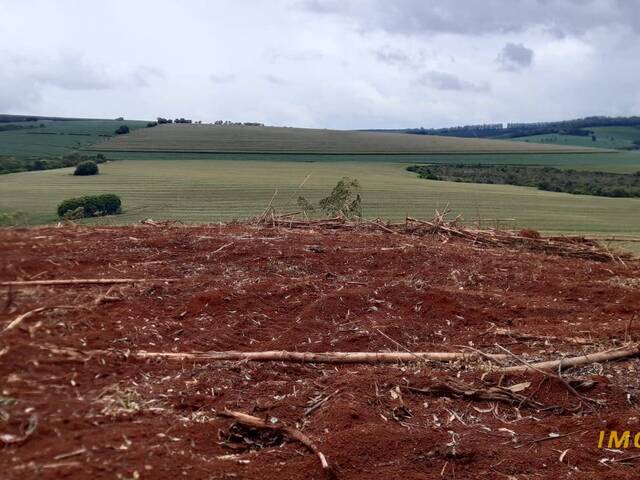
column 317, row 290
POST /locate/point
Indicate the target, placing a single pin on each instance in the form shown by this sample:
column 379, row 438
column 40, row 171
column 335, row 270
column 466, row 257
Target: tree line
column 551, row 179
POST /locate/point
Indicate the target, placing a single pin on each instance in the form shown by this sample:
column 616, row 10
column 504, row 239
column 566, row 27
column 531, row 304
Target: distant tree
column 122, row 130
column 86, row 168
column 39, row 164
column 151, row 124
column 119, row 119
column 593, row 138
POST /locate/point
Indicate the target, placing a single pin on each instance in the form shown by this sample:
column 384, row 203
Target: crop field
column 214, row 190
column 58, row 137
column 606, row 137
column 216, row 139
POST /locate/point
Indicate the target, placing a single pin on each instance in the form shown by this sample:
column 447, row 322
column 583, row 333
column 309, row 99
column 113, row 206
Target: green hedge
column 92, row 206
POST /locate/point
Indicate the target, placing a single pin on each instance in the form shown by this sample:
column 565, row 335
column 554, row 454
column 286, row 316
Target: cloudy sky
column 322, row 63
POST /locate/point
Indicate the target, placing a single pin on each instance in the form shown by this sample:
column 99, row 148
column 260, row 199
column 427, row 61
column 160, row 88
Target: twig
column 319, row 403
column 223, row 247
column 20, row 318
column 293, row 433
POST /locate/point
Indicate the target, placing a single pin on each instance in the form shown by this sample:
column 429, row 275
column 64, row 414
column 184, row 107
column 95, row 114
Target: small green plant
column 90, row 206
column 345, row 199
column 305, row 205
column 86, row 168
column 13, row 219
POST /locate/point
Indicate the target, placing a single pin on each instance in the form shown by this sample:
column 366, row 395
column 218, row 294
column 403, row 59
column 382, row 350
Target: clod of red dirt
column 529, row 233
column 315, row 290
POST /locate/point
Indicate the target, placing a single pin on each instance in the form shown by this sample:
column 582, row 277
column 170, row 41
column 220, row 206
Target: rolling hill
column 249, row 139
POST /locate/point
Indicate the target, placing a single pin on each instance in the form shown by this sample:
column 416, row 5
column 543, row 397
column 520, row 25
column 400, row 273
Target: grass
column 606, row 137
column 217, row 139
column 208, row 191
column 58, row 137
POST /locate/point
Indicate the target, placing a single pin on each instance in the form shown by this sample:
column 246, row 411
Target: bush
column 86, row 168
column 92, row 206
column 122, row 130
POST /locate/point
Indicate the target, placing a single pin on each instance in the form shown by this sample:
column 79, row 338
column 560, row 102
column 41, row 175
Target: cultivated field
column 606, row 137
column 58, row 137
column 209, row 138
column 213, row 190
column 82, row 397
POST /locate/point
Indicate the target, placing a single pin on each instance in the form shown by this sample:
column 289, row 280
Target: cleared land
column 98, row 411
column 215, row 139
column 212, row 190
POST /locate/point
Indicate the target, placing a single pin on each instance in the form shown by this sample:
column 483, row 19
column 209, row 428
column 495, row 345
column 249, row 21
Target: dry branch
column 491, row 394
column 293, row 433
column 586, row 359
column 285, row 356
column 20, row 318
column 578, row 247
column 83, row 281
column 324, row 357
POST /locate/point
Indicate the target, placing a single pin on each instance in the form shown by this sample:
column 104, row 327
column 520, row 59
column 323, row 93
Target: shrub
column 86, row 168
column 122, row 130
column 92, row 206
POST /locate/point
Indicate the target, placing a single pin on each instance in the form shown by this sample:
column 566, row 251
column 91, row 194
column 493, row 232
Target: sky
column 342, row 64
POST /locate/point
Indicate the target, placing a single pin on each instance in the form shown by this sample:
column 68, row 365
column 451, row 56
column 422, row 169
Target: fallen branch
column 491, row 394
column 586, row 359
column 293, row 433
column 302, row 357
column 84, row 281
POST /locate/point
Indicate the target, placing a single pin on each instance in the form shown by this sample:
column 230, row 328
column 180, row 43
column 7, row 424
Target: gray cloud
column 472, row 17
column 392, row 56
column 23, row 77
column 223, row 78
column 515, row 56
column 144, row 75
column 448, row 81
column 70, row 71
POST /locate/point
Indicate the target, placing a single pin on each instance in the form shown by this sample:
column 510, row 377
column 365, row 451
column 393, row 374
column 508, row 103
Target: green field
column 201, row 186
column 242, row 139
column 606, row 137
column 58, row 137
column 214, row 190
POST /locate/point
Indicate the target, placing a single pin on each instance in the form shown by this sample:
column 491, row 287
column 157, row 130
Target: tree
column 86, row 168
column 344, row 199
column 122, row 130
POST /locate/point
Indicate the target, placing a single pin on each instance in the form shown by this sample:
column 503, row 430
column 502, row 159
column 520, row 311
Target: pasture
column 222, row 190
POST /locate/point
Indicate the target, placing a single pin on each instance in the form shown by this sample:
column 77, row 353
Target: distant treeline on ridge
column 512, row 130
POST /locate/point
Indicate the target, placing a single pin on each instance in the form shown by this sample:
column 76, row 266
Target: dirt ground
column 109, row 415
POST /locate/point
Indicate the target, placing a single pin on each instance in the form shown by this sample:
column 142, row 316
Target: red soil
column 112, row 416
